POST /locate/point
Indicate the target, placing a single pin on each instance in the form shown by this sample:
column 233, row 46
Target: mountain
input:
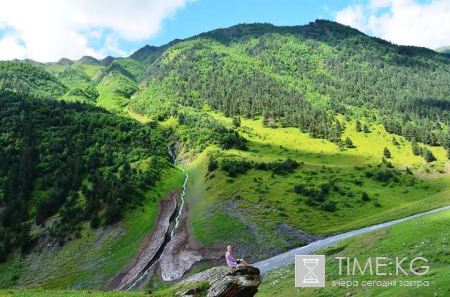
column 148, row 54
column 288, row 134
column 22, row 77
column 307, row 70
column 65, row 61
column 107, row 60
column 89, row 60
column 444, row 50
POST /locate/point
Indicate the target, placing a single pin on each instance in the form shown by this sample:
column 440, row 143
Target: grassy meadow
column 426, row 237
column 251, row 206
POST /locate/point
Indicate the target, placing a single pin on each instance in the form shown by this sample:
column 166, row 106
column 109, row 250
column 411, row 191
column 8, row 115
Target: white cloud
column 10, row 48
column 48, row 30
column 352, row 16
column 406, row 22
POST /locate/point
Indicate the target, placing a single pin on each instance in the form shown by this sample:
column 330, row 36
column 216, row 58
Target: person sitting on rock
column 231, row 261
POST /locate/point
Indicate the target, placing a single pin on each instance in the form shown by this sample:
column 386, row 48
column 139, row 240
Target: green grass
column 90, row 70
column 249, row 208
column 169, row 292
column 96, row 257
column 115, row 90
column 369, row 147
column 208, row 224
column 426, row 237
column 46, row 293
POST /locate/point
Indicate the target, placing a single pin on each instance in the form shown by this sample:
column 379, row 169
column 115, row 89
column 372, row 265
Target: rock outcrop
column 183, row 251
column 224, row 281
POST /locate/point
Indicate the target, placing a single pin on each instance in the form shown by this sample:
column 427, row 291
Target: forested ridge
column 21, row 77
column 304, row 76
column 71, row 160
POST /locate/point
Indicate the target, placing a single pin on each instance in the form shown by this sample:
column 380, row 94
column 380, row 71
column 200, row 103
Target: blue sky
column 205, row 15
column 47, row 30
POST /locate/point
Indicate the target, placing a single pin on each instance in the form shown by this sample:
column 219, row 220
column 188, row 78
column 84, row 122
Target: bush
column 2, row 254
column 236, row 121
column 212, row 164
column 310, row 202
column 428, row 155
column 358, row 182
column 231, row 140
column 329, row 206
column 383, row 175
column 299, row 189
column 235, row 167
column 365, row 196
column 260, row 166
column 113, row 213
column 285, row 167
column 95, row 220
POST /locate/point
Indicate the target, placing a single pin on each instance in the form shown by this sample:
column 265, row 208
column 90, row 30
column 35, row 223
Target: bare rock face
column 225, row 281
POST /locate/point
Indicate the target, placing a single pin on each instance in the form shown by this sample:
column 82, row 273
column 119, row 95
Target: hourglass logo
column 310, row 271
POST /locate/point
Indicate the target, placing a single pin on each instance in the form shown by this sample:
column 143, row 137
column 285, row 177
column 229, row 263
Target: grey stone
column 242, row 281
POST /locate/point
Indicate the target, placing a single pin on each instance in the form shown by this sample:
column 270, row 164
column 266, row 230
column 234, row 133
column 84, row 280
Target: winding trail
column 153, row 262
column 288, row 257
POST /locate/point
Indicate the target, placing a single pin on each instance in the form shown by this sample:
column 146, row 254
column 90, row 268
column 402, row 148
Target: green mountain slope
column 81, row 87
column 127, row 67
column 444, row 50
column 87, row 65
column 313, row 82
column 302, row 76
column 25, row 78
column 288, row 133
column 115, row 90
column 148, row 54
column 70, row 162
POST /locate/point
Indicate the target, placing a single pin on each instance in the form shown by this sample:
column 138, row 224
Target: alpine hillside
column 287, row 134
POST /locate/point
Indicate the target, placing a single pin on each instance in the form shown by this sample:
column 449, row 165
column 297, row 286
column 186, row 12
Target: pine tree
column 212, row 164
column 237, row 121
column 95, row 220
column 428, row 155
column 366, row 129
column 386, row 153
column 358, row 126
column 365, row 196
column 2, row 254
column 6, row 243
column 415, row 148
column 394, row 141
column 349, row 143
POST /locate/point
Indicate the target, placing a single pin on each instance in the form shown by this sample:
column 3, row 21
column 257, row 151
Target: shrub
column 235, row 167
column 285, row 167
column 364, row 196
column 212, row 164
column 95, row 220
column 428, row 155
column 329, row 206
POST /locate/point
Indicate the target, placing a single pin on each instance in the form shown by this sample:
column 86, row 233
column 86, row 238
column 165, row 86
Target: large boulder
column 224, row 281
